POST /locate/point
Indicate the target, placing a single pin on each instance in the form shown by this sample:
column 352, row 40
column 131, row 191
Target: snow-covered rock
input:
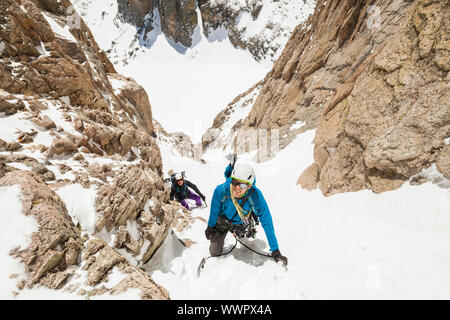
column 260, row 26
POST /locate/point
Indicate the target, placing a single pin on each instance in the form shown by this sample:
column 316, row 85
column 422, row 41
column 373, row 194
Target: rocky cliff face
column 261, row 26
column 226, row 133
column 179, row 143
column 135, row 11
column 67, row 119
column 177, row 18
column 372, row 77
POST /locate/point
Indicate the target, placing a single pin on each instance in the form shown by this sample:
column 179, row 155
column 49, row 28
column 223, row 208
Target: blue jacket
column 222, row 205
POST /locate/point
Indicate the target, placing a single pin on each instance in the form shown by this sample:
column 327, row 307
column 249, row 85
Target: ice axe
column 232, row 157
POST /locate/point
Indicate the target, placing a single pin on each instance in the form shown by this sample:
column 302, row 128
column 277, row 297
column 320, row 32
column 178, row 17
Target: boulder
column 309, row 178
column 44, row 122
column 126, row 200
column 46, row 251
column 61, row 146
column 135, row 96
column 443, row 162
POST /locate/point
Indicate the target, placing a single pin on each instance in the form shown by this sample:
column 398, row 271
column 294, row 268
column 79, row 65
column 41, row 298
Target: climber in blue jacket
column 234, row 205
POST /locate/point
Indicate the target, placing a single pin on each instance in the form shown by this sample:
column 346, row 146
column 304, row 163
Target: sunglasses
column 241, row 185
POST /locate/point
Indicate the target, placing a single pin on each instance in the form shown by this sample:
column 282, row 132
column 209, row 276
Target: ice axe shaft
column 232, row 157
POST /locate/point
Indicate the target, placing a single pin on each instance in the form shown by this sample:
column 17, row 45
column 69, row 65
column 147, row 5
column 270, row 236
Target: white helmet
column 243, row 172
column 179, row 176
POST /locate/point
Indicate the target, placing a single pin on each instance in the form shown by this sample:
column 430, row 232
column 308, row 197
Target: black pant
column 217, row 242
column 218, row 238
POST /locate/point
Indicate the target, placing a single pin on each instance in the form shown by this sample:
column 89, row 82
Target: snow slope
column 358, row 245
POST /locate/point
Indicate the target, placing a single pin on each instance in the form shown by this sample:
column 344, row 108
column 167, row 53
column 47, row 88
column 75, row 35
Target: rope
column 224, row 254
column 235, row 244
column 261, row 254
column 202, row 263
column 233, row 232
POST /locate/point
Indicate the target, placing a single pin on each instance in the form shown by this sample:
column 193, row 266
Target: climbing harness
column 249, row 218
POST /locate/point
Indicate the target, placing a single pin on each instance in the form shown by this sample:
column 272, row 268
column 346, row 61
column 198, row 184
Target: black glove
column 279, row 257
column 209, row 232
